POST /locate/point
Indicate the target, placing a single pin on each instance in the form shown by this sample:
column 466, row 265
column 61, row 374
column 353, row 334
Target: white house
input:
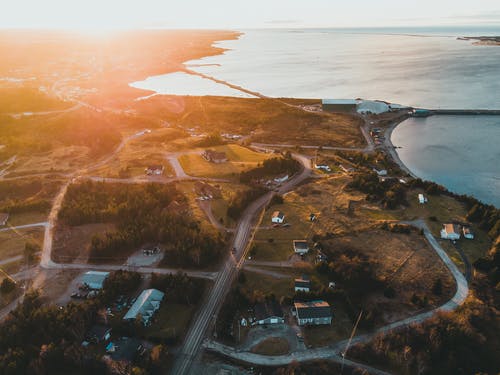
column 278, row 217
column 281, row 179
column 313, row 313
column 300, row 247
column 268, row 312
column 303, row 284
column 154, row 170
column 450, row 232
column 323, row 167
column 468, row 233
column 422, row 199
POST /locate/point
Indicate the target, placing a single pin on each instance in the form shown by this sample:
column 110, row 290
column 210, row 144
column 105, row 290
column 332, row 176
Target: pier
column 421, row 112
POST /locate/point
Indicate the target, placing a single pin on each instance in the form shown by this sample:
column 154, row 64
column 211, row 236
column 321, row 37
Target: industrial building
column 339, row 105
column 94, row 279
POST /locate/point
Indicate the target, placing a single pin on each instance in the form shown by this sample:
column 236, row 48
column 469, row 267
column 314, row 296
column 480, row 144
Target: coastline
column 392, row 150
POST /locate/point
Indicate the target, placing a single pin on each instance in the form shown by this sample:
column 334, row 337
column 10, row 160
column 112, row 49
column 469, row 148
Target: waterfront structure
column 339, row 105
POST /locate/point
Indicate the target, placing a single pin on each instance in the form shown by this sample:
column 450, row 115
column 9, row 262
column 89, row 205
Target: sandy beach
column 392, row 150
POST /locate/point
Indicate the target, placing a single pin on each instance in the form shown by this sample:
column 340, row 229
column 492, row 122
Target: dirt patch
column 272, row 346
column 71, row 244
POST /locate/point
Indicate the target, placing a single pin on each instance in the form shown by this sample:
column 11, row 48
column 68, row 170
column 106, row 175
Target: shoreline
column 389, row 146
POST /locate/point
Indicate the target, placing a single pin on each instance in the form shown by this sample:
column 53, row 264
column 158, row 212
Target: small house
column 303, row 284
column 313, row 313
column 450, row 232
column 154, row 170
column 268, row 312
column 467, row 233
column 281, row 179
column 214, row 156
column 312, row 217
column 300, row 247
column 3, row 218
column 323, row 167
column 381, row 172
column 278, row 217
column 94, row 279
column 422, row 199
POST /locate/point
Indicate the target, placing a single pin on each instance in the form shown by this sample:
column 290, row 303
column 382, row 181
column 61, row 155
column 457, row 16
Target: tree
column 7, row 286
column 437, row 288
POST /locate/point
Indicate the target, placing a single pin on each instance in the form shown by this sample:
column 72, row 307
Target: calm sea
column 419, row 67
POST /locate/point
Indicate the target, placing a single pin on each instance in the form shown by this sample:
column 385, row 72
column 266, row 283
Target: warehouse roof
column 94, row 279
column 145, row 305
column 340, row 101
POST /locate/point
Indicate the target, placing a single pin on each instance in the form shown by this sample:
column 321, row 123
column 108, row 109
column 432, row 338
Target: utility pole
column 344, row 354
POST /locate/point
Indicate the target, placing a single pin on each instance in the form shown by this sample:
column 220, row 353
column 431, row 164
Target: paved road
column 213, row 301
column 41, row 224
column 333, row 352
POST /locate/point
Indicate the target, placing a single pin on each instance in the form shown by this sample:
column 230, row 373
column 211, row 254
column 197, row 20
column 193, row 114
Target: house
column 422, row 199
column 154, row 170
column 300, row 247
column 281, row 179
column 145, row 306
column 323, row 167
column 303, row 284
column 467, row 233
column 94, row 279
column 268, row 312
column 98, row 333
column 339, row 105
column 204, row 189
column 278, row 217
column 214, row 156
column 450, row 232
column 313, row 313
column 126, row 349
column 382, row 172
column 312, row 217
column 3, row 218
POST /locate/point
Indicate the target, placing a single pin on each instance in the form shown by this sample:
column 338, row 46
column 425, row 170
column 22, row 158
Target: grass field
column 12, row 242
column 27, row 218
column 268, row 284
column 171, row 321
column 239, row 159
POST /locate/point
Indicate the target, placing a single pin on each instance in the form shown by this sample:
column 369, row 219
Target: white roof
column 339, row 101
column 145, row 305
column 95, row 279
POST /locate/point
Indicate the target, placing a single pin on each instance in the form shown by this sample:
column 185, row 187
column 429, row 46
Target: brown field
column 71, row 244
column 12, row 242
column 272, row 346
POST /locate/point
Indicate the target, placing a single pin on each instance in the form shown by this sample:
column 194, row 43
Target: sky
column 239, row 14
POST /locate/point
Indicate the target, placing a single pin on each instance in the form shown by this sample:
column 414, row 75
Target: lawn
column 239, row 159
column 278, row 250
column 12, row 242
column 268, row 284
column 27, row 218
column 272, row 346
column 340, row 329
column 171, row 321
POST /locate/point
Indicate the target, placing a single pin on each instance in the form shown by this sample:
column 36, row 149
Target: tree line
column 271, row 167
column 142, row 215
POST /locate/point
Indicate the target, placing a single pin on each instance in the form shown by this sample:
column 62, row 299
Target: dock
column 421, row 112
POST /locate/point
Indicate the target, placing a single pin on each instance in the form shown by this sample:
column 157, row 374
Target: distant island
column 483, row 40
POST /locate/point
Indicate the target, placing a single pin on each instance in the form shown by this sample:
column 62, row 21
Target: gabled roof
column 451, row 228
column 278, row 214
column 268, row 309
column 340, row 101
column 145, row 305
column 95, row 279
column 301, row 283
column 300, row 245
column 313, row 309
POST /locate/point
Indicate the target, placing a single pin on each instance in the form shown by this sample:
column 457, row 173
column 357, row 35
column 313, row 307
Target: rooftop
column 313, row 309
column 145, row 305
column 340, row 101
column 300, row 245
column 267, row 309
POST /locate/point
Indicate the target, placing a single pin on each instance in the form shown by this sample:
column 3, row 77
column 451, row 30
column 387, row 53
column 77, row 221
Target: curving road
column 213, row 301
column 333, row 352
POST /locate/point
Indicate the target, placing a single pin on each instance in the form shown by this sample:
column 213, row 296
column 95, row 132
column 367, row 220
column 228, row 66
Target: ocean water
column 459, row 152
column 427, row 68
